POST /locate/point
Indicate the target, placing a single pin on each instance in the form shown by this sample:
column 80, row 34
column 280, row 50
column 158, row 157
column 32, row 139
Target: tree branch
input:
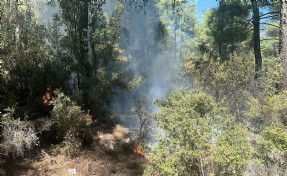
column 269, row 39
column 269, row 13
column 270, row 24
column 249, row 20
column 270, row 16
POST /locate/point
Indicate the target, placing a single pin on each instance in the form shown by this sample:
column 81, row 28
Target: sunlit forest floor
column 91, row 160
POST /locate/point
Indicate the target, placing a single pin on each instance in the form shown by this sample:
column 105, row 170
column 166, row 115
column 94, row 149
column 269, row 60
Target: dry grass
column 18, row 137
column 117, row 140
column 94, row 160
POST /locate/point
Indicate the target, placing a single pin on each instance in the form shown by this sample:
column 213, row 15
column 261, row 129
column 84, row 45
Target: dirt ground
column 92, row 160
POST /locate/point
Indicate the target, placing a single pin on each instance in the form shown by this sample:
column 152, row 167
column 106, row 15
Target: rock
column 72, row 171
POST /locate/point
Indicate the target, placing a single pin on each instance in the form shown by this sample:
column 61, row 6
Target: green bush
column 71, row 124
column 232, row 151
column 272, row 72
column 271, row 108
column 272, row 149
column 230, row 82
column 195, row 133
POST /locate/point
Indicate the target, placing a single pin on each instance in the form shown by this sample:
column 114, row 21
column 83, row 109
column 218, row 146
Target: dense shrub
column 271, row 108
column 71, row 124
column 232, row 151
column 199, row 138
column 272, row 73
column 272, row 149
column 230, row 82
column 257, row 102
column 271, row 143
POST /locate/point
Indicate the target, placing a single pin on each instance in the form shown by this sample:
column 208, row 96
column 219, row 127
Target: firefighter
column 49, row 95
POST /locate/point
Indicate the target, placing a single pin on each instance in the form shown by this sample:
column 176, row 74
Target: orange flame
column 138, row 149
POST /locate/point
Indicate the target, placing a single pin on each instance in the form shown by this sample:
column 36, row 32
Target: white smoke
column 150, row 58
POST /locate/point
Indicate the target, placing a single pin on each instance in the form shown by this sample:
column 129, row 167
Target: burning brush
column 138, row 149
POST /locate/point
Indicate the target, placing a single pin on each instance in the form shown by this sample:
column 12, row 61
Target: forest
column 143, row 87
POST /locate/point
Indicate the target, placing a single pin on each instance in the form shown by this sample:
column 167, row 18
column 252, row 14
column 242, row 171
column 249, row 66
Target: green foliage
column 197, row 139
column 270, row 45
column 110, row 64
column 272, row 148
column 70, row 123
column 27, row 66
column 258, row 103
column 186, row 123
column 142, row 112
column 179, row 21
column 230, row 82
column 272, row 75
column 232, row 151
column 274, row 138
column 227, row 27
column 267, row 110
column 33, row 53
column 278, row 106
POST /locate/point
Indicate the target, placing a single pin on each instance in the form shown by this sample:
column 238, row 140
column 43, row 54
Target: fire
column 138, row 149
column 48, row 96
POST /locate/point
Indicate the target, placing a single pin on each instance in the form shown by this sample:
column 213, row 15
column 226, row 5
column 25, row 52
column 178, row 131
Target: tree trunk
column 83, row 56
column 256, row 35
column 283, row 41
